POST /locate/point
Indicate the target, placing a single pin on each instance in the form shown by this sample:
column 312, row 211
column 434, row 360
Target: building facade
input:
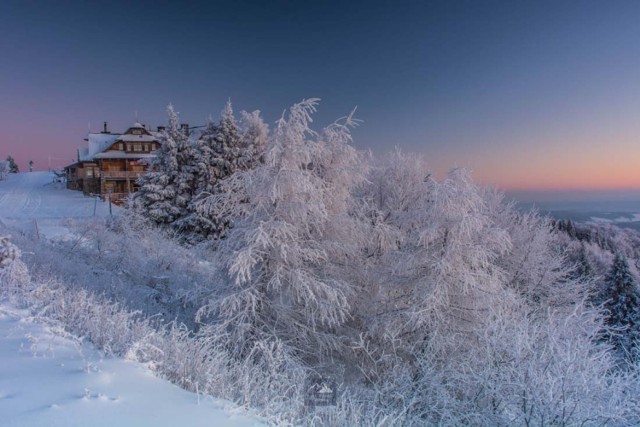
column 111, row 163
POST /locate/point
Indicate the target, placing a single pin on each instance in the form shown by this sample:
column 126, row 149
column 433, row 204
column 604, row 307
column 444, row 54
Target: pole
column 95, row 202
column 109, row 195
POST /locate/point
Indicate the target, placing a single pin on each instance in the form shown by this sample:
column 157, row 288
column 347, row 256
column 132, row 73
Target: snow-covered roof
column 123, row 155
column 83, row 154
column 98, row 142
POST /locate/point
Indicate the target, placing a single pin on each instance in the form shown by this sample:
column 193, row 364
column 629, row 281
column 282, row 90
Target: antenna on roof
column 136, row 117
column 89, row 127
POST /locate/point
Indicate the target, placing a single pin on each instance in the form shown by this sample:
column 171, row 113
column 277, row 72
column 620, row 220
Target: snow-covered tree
column 286, row 254
column 217, row 155
column 205, row 154
column 158, row 188
column 254, row 136
column 13, row 166
column 623, row 308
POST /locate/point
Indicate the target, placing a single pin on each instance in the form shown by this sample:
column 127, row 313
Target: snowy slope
column 50, row 380
column 32, row 200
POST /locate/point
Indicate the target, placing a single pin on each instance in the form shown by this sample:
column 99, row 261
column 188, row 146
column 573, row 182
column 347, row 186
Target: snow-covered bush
column 13, row 271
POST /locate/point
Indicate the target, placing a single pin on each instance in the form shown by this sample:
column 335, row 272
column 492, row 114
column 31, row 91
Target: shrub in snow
column 13, row 272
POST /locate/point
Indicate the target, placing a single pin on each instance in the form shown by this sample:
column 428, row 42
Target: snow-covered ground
column 34, row 203
column 48, row 378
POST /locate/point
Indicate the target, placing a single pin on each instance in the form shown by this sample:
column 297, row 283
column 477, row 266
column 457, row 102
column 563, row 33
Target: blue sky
column 527, row 94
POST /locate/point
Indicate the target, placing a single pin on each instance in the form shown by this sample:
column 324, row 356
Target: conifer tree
column 218, row 156
column 13, row 166
column 186, row 176
column 623, row 308
column 157, row 196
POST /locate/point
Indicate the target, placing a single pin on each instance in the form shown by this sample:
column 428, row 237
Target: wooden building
column 112, row 163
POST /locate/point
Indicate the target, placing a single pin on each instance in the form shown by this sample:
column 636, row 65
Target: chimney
column 185, row 128
column 161, row 128
column 104, row 129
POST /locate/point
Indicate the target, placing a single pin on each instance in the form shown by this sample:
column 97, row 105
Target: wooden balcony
column 133, row 175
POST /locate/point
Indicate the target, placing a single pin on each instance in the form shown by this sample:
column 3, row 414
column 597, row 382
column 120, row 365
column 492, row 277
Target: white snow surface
column 32, row 202
column 47, row 379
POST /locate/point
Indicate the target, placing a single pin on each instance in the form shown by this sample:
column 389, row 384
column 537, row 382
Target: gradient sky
column 527, row 94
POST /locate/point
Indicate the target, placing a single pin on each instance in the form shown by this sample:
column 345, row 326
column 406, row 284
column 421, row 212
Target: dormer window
column 121, row 146
column 136, row 131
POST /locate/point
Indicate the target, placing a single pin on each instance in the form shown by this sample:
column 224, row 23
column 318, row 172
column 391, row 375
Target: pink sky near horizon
column 540, row 167
column 600, row 155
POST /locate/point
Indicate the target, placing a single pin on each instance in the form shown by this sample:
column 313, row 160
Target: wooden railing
column 121, row 174
column 116, row 198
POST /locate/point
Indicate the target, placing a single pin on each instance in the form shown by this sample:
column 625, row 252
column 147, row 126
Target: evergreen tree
column 13, row 166
column 186, row 176
column 623, row 308
column 157, row 196
column 217, row 156
column 584, row 269
column 205, row 153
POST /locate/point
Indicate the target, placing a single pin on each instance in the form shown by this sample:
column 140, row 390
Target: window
column 121, row 146
column 137, row 147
